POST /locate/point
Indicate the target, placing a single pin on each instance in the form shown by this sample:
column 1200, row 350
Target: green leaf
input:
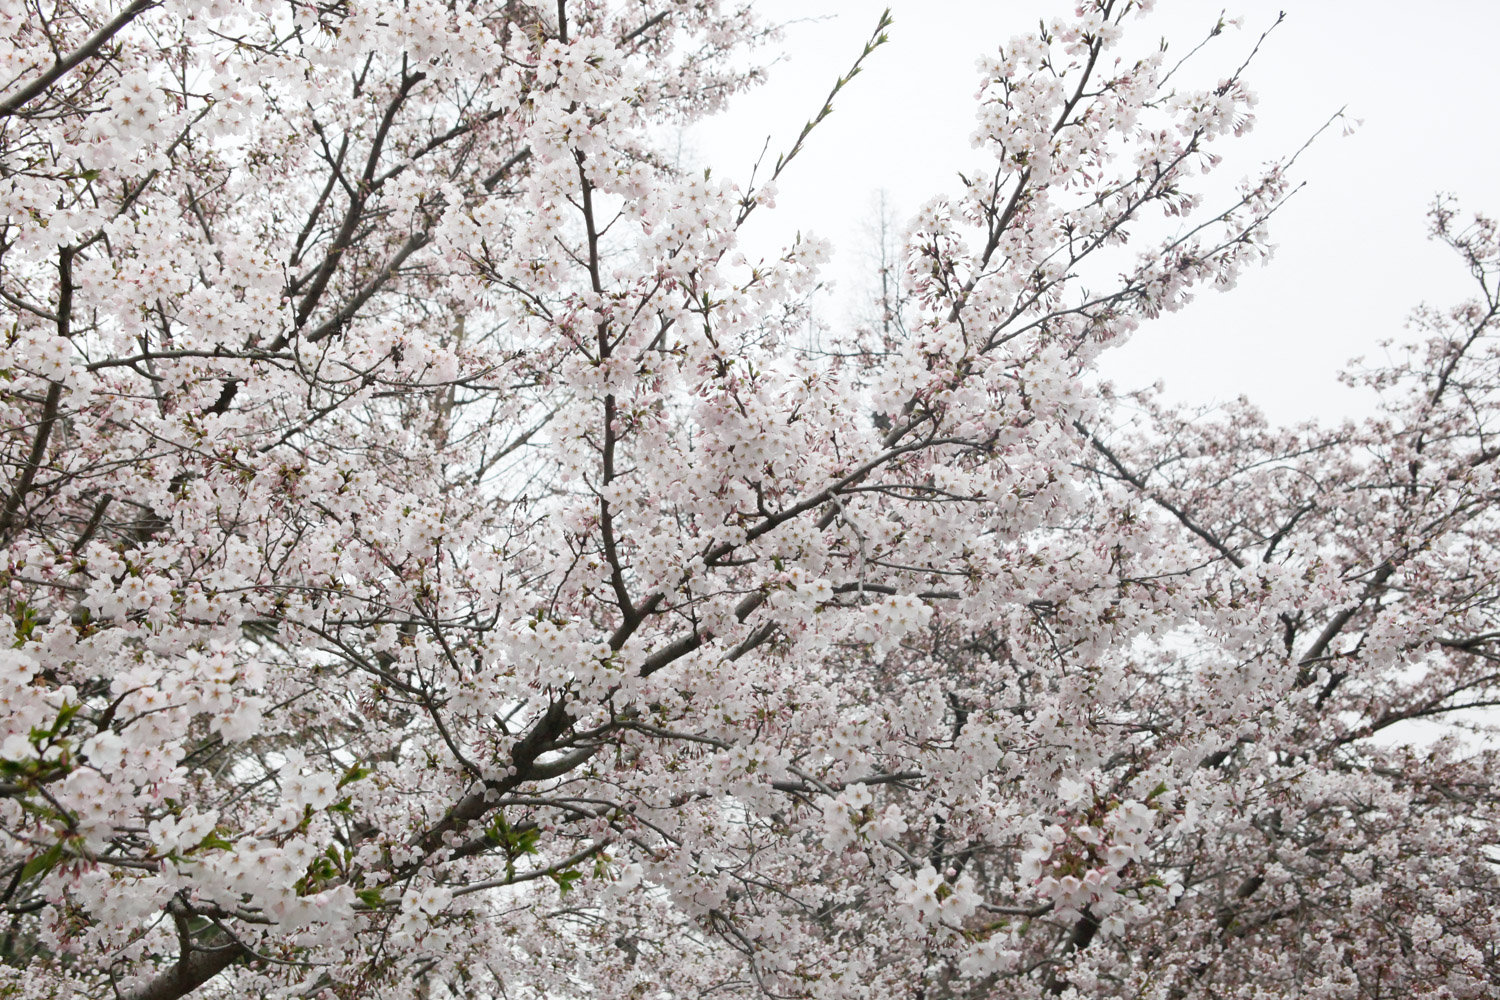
column 42, row 863
column 214, row 842
column 354, row 774
column 371, row 898
column 64, row 716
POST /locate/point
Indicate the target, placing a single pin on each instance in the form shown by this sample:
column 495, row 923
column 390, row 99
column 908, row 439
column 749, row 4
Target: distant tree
column 434, row 567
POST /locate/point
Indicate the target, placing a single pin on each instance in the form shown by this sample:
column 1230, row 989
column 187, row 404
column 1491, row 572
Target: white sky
column 1353, row 258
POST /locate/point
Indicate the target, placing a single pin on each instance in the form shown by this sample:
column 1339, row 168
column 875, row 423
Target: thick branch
column 191, row 971
column 49, row 406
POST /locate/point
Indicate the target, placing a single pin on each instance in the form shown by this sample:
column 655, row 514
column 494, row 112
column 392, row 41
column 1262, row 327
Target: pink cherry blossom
column 436, row 565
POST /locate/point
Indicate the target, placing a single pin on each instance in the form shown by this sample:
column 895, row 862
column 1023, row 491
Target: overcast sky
column 1353, row 259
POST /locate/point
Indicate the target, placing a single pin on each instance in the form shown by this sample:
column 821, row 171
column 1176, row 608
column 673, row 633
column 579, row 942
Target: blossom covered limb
column 435, row 564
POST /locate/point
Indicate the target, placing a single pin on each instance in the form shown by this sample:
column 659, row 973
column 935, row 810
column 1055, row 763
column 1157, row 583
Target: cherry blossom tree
column 437, row 566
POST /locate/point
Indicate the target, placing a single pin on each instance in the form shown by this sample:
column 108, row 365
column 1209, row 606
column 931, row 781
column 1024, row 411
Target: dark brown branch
column 1140, row 483
column 89, row 48
column 49, row 406
column 355, row 212
column 192, row 970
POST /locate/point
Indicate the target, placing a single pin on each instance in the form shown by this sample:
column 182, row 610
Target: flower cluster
column 1081, row 862
column 930, row 899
